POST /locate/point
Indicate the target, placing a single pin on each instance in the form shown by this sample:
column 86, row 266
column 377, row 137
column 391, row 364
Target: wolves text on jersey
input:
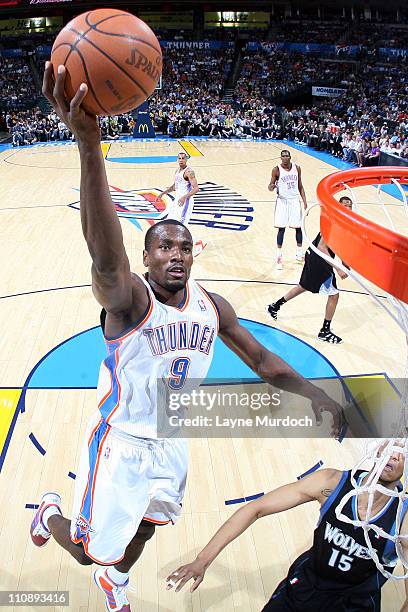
column 345, row 542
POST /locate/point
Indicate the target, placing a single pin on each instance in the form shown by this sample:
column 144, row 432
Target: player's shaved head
column 155, row 230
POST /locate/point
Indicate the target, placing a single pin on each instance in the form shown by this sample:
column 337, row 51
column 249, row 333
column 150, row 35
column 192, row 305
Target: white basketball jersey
column 287, row 187
column 182, row 186
column 171, row 344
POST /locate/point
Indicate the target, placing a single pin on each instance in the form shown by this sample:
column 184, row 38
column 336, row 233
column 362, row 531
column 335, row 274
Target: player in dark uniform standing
column 337, row 574
column 317, row 277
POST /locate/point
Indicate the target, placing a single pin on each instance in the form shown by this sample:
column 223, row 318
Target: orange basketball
column 115, row 53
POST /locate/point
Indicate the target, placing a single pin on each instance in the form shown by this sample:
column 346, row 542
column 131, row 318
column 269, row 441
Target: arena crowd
column 371, row 116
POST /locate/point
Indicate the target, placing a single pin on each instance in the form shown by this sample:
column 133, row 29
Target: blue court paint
column 252, row 497
column 135, row 222
column 304, row 358
column 74, row 364
column 241, row 500
column 157, row 159
column 71, row 475
column 32, row 506
column 37, row 444
column 312, row 469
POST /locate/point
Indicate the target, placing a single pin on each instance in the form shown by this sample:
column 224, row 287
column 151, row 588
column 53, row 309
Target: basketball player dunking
column 337, row 574
column 128, row 479
column 287, row 180
column 185, row 185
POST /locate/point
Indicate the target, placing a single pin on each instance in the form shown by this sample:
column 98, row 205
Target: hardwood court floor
column 46, row 300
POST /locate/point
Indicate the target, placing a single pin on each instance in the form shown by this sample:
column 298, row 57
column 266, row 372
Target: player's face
column 170, row 257
column 347, row 203
column 394, row 469
column 182, row 160
column 285, row 158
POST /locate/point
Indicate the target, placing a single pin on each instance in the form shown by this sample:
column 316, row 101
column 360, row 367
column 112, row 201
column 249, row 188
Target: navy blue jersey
column 340, row 552
column 337, row 574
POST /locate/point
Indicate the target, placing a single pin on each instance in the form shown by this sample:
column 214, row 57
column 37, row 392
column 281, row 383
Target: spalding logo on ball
column 115, row 53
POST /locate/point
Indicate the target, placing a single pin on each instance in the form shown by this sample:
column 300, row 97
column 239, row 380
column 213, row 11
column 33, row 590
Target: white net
column 380, row 451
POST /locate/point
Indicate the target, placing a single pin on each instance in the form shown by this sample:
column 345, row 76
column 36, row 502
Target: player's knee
column 280, row 236
column 145, row 532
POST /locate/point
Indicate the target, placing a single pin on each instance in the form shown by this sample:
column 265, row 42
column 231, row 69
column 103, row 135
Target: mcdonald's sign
column 143, row 127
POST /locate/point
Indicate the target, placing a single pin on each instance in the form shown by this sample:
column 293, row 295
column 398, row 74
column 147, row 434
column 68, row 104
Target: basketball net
column 379, row 451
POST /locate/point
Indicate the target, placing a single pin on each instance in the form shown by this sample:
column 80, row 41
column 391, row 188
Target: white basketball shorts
column 181, row 213
column 288, row 212
column 121, row 481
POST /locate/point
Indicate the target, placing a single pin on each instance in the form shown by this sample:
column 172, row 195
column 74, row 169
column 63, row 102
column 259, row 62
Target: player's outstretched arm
column 270, row 367
column 317, row 486
column 112, row 283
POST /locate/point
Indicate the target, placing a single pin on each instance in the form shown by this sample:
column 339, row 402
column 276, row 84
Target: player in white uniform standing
column 160, row 326
column 185, row 185
column 287, row 180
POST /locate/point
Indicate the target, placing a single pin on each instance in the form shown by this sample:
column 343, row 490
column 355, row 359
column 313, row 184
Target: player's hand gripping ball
column 115, row 53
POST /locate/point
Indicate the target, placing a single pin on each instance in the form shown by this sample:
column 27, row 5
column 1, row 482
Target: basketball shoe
column 40, row 534
column 273, row 311
column 326, row 335
column 115, row 594
column 300, row 259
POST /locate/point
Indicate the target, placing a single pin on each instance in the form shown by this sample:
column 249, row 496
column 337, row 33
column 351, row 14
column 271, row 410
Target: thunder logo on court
column 136, row 203
column 215, row 206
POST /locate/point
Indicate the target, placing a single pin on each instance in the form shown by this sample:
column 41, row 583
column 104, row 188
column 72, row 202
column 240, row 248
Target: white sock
column 49, row 512
column 299, row 251
column 278, row 252
column 117, row 577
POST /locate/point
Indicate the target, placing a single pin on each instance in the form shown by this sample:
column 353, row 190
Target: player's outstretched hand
column 323, row 403
column 183, row 574
column 83, row 125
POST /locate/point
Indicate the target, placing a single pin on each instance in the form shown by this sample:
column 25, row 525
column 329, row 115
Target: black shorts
column 303, row 591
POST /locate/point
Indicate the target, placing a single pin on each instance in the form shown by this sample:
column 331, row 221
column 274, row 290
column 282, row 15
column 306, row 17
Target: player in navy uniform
column 317, row 277
column 337, row 574
column 160, row 326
